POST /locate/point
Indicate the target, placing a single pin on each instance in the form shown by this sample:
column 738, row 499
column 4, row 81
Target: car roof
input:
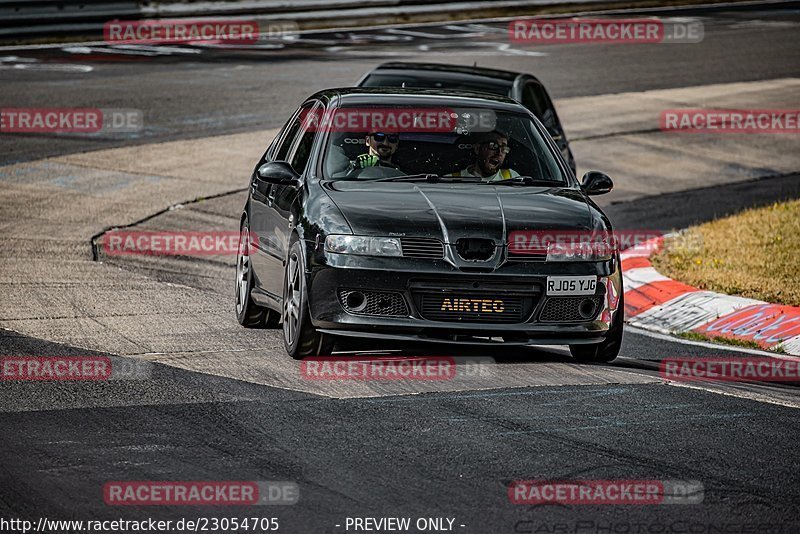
column 393, row 96
column 483, row 72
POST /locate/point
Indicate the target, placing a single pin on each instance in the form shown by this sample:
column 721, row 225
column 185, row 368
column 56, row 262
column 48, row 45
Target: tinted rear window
column 433, row 81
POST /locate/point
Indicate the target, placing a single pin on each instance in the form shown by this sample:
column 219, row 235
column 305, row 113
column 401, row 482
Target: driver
column 489, row 154
column 382, row 146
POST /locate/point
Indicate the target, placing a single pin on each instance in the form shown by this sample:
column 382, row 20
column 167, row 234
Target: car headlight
column 590, row 251
column 363, row 245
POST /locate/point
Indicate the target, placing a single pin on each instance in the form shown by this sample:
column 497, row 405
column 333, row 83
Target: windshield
column 446, row 144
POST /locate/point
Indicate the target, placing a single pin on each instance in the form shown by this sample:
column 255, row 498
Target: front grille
column 520, row 253
column 475, row 249
column 477, row 308
column 387, row 303
column 567, row 309
column 422, row 247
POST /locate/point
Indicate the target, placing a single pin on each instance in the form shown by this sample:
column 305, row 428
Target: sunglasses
column 381, row 137
column 505, row 149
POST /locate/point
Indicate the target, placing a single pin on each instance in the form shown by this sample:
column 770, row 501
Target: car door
column 536, row 99
column 267, row 259
column 279, row 218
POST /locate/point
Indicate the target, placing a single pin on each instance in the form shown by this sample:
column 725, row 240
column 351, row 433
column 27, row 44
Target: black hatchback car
column 425, row 215
column 523, row 88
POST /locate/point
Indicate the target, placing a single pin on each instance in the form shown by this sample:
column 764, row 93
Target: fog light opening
column 587, row 308
column 356, row 301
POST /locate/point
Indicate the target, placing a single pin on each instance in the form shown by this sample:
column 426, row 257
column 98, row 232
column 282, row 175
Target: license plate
column 571, row 285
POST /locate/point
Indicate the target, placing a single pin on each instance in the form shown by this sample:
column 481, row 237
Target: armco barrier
column 65, row 20
column 41, row 18
column 31, row 20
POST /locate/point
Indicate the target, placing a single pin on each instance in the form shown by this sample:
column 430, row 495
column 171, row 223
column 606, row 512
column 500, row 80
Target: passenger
column 489, row 153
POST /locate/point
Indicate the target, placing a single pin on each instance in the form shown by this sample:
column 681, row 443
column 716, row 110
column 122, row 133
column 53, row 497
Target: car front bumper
column 517, row 286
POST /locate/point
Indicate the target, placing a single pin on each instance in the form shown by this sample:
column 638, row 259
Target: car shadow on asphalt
column 499, row 353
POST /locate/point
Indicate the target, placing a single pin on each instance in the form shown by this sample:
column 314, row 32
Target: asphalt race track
column 211, row 401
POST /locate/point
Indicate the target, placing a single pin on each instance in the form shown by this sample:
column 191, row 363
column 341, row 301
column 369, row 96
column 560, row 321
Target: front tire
column 608, row 349
column 248, row 313
column 300, row 338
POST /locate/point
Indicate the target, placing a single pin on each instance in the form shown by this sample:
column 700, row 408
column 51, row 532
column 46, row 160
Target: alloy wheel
column 242, row 269
column 291, row 301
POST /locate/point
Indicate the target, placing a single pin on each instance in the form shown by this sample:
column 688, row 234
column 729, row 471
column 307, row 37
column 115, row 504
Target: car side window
column 301, row 151
column 269, row 154
column 282, row 153
column 535, row 99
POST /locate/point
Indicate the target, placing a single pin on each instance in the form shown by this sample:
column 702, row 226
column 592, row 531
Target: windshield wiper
column 432, row 178
column 525, row 180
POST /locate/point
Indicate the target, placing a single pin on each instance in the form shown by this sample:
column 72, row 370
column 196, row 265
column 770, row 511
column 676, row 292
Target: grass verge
column 696, row 336
column 751, row 254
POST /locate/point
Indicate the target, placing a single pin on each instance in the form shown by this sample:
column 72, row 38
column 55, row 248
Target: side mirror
column 279, row 173
column 596, row 183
